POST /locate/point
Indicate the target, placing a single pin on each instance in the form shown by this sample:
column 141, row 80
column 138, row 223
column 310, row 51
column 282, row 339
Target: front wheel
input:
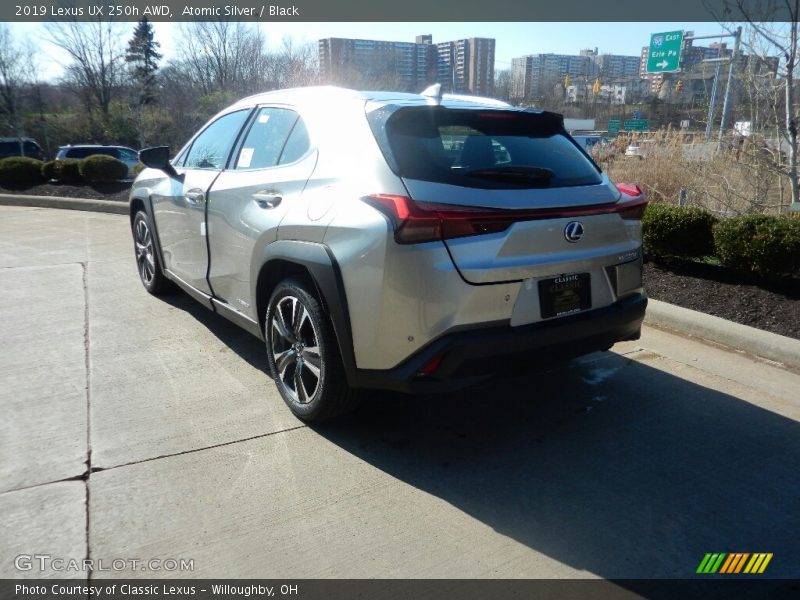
column 303, row 354
column 147, row 262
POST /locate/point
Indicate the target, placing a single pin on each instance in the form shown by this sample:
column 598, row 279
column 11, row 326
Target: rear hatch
column 516, row 174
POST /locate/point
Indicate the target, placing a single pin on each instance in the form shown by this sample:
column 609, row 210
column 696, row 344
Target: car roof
column 94, row 146
column 313, row 96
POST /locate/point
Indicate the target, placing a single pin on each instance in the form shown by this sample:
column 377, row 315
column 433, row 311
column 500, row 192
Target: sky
column 513, row 39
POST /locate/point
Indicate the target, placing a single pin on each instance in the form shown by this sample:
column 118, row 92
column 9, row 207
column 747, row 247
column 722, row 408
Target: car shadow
column 246, row 345
column 609, row 464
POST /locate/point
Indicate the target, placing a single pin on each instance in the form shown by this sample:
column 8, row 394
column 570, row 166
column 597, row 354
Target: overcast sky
column 513, row 39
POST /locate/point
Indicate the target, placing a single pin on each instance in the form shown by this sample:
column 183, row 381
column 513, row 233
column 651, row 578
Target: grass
column 742, row 178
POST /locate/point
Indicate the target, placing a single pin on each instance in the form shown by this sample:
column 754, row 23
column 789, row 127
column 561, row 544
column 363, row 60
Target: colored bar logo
column 734, row 562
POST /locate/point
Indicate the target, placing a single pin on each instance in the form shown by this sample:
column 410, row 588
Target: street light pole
column 727, row 102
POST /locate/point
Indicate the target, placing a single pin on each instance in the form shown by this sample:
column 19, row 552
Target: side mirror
column 157, row 158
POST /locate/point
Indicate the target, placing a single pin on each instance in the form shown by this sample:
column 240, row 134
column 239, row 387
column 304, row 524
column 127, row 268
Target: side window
column 125, row 154
column 266, row 139
column 211, row 147
column 297, row 144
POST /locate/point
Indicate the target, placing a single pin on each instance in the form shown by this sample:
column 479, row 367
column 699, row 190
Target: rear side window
column 265, row 142
column 125, row 154
column 485, row 149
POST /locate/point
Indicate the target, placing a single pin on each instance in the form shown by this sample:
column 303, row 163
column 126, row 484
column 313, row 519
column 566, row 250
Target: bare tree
column 15, row 75
column 502, row 84
column 224, row 56
column 97, row 60
column 776, row 25
column 294, row 65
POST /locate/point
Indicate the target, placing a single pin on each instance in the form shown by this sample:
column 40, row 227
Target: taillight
column 411, row 224
column 416, row 222
column 633, row 203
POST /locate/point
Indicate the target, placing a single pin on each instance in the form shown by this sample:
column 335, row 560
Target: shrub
column 49, row 170
column 20, row 170
column 99, row 168
column 68, row 170
column 137, row 168
column 677, row 231
column 764, row 244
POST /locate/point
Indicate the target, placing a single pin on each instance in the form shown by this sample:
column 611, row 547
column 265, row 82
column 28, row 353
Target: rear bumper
column 468, row 357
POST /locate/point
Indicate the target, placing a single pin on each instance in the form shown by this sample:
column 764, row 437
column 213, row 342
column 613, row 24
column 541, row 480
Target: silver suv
column 379, row 240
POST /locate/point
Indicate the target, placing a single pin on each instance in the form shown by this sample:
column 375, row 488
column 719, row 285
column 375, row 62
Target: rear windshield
column 484, row 149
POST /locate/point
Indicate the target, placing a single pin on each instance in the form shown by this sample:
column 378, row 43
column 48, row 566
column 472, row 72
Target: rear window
column 484, row 149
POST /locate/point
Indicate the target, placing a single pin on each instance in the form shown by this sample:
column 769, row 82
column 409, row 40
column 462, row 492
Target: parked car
column 342, row 229
column 22, row 146
column 127, row 155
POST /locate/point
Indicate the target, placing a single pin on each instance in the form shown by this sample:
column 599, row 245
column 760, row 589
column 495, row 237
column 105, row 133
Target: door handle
column 266, row 199
column 194, row 196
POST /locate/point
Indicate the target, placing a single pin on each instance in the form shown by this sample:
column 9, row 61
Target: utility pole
column 712, row 103
column 727, row 102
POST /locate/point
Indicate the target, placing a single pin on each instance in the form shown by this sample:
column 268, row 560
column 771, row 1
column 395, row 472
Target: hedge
column 68, row 170
column 677, row 231
column 763, row 244
column 49, row 170
column 20, row 170
column 99, row 168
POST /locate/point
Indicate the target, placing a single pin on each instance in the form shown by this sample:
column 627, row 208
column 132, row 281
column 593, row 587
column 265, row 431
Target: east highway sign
column 665, row 52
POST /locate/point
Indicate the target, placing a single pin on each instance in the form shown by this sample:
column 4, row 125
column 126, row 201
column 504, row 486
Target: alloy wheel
column 295, row 348
column 145, row 260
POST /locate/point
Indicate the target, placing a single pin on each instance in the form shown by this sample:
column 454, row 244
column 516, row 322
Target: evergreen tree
column 143, row 55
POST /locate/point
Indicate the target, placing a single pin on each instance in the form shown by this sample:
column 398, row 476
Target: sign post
column 664, row 55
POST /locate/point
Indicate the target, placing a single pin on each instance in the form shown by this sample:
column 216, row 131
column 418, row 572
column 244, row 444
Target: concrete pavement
column 632, row 463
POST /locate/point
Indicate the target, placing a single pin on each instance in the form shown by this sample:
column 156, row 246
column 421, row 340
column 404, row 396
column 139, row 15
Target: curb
column 754, row 341
column 764, row 344
column 94, row 205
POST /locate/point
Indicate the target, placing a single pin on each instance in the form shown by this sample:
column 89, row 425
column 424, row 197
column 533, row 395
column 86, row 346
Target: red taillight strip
column 415, row 222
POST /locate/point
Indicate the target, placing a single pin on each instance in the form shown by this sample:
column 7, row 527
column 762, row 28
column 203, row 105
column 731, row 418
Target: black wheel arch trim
column 324, row 270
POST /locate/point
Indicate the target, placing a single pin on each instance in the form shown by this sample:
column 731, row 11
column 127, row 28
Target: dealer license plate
column 565, row 295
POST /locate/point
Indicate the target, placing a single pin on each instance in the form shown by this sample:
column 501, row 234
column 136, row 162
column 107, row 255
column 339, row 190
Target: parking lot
column 136, row 427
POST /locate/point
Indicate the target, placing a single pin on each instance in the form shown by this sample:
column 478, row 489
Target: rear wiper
column 521, row 174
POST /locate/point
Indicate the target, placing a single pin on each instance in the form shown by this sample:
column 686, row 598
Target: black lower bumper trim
column 469, row 357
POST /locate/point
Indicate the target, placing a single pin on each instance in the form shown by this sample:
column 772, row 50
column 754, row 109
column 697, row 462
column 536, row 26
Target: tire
column 147, row 262
column 303, row 354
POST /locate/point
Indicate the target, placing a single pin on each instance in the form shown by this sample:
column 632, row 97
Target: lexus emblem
column 573, row 231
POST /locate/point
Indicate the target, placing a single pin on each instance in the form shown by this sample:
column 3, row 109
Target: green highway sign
column 665, row 52
column 613, row 126
column 636, row 124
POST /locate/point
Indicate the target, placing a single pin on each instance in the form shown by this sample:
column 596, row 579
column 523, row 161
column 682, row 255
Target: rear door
column 180, row 214
column 511, row 162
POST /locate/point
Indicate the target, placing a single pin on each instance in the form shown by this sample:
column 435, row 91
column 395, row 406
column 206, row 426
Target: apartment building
column 463, row 66
column 532, row 76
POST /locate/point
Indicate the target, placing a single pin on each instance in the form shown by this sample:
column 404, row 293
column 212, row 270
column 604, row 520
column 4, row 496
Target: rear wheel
column 303, row 354
column 147, row 262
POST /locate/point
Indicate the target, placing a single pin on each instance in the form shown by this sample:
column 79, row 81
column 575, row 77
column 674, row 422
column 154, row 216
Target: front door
column 181, row 214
